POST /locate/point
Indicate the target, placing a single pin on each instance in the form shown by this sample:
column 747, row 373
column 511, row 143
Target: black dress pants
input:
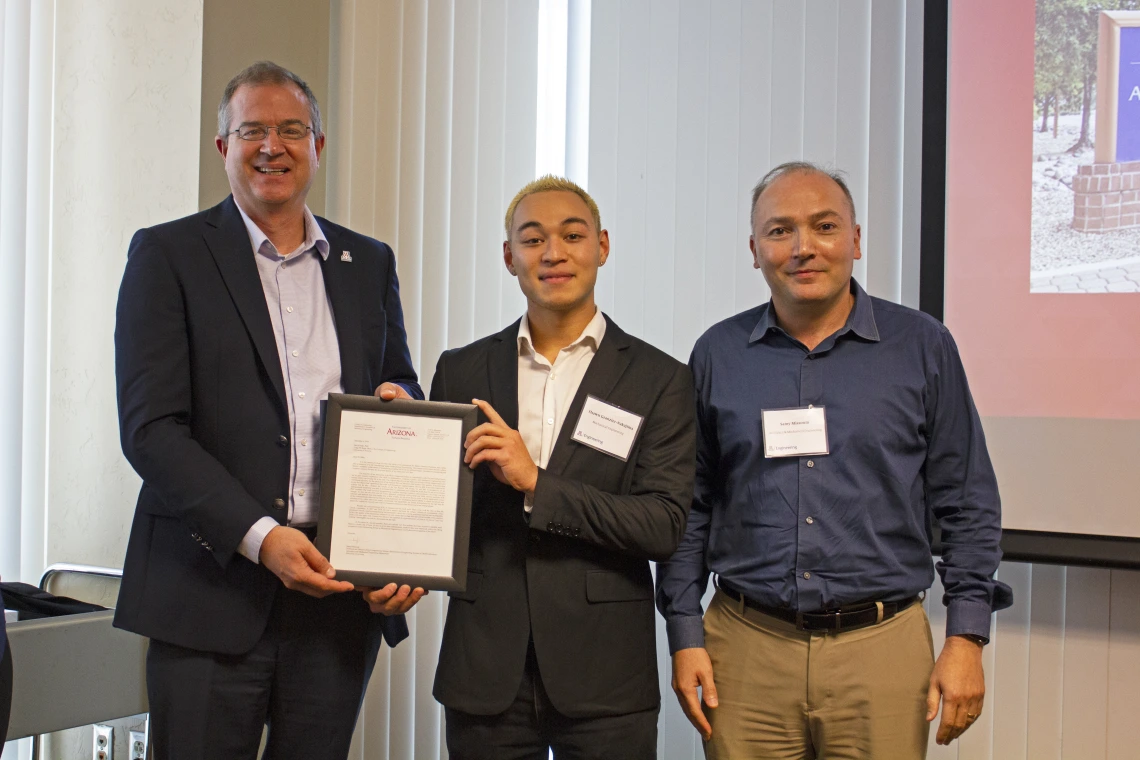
column 304, row 678
column 531, row 727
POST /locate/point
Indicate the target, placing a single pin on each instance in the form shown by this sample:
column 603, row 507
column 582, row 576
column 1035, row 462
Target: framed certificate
column 395, row 493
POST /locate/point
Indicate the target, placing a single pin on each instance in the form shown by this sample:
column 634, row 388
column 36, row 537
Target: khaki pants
column 783, row 693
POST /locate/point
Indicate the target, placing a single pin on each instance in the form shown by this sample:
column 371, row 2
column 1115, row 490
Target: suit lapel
column 228, row 241
column 503, row 374
column 606, row 368
column 340, row 284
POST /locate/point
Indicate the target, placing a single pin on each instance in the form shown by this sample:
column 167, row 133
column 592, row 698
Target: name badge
column 607, row 428
column 794, row 432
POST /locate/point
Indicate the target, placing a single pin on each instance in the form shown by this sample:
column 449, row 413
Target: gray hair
column 260, row 73
column 792, row 167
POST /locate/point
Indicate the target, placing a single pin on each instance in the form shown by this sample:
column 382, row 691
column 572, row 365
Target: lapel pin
column 345, row 256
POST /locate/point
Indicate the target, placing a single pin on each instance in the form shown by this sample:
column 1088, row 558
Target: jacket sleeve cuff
column 968, row 617
column 413, row 390
column 250, row 546
column 685, row 632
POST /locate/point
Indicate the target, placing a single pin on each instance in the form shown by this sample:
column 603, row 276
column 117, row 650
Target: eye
column 829, row 226
column 293, row 131
column 575, row 236
column 253, row 132
column 777, row 231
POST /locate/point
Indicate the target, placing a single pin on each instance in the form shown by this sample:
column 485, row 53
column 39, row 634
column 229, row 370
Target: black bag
column 33, row 603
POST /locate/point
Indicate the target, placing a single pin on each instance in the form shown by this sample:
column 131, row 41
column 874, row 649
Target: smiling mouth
column 556, row 278
column 271, row 172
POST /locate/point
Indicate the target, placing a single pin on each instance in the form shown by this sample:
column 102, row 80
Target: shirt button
column 810, row 463
column 303, row 493
column 809, row 521
column 302, row 395
column 807, row 576
column 296, row 352
column 304, row 441
column 550, row 421
column 289, row 309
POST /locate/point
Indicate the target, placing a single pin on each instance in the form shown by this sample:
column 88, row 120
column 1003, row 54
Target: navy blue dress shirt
column 812, row 533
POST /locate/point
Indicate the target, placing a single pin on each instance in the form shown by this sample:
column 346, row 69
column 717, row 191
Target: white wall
column 125, row 155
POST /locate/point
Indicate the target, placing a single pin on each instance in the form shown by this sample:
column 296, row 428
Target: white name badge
column 607, row 428
column 794, row 432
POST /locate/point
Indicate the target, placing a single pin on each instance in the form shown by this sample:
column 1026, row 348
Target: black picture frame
column 336, row 405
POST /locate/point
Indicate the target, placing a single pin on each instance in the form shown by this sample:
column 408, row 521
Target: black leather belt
column 846, row 618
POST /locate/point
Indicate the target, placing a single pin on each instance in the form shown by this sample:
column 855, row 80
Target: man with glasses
column 232, row 326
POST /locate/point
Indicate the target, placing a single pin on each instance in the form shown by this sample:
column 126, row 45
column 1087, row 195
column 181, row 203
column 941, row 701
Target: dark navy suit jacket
column 204, row 422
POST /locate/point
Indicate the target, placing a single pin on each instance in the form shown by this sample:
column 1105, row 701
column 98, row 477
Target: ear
column 508, row 258
column 755, row 255
column 603, row 247
column 858, row 238
column 223, row 146
column 319, row 142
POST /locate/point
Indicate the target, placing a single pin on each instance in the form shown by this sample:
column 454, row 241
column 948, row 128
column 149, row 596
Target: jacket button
column 282, row 441
column 279, row 503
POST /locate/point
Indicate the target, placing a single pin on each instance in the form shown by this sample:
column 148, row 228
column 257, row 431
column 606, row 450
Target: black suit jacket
column 576, row 578
column 204, row 422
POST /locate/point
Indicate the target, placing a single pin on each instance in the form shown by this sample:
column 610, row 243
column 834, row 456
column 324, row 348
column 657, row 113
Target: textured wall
column 125, row 155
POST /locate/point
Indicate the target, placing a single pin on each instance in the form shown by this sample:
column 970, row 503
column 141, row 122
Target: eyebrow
column 817, row 216
column 568, row 220
column 262, row 124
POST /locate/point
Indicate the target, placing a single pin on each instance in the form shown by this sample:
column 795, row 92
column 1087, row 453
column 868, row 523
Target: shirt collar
column 314, row 236
column 860, row 321
column 593, row 334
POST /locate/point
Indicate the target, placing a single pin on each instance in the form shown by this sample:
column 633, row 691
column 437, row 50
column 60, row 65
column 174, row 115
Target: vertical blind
column 26, row 59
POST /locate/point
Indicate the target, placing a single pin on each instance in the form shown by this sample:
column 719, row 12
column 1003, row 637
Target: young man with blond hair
column 583, row 474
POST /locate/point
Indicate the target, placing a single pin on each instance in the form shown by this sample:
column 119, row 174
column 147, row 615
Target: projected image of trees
column 1086, row 198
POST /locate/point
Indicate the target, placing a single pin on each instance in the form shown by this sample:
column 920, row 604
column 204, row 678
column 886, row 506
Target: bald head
column 798, row 167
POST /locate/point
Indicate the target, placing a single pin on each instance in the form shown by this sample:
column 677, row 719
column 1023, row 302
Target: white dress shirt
column 546, row 390
column 305, row 333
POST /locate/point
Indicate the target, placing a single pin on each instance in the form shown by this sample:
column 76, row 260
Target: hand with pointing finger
column 502, row 448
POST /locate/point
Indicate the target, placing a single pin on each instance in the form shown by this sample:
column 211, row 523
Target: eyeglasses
column 258, row 132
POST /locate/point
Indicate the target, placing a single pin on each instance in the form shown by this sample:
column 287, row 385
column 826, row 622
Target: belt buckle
column 800, row 621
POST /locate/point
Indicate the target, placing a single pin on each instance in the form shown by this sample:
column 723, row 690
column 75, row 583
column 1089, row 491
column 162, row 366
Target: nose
column 803, row 245
column 554, row 251
column 272, row 143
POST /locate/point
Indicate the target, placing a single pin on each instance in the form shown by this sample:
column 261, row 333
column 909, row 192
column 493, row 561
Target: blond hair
column 546, row 184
